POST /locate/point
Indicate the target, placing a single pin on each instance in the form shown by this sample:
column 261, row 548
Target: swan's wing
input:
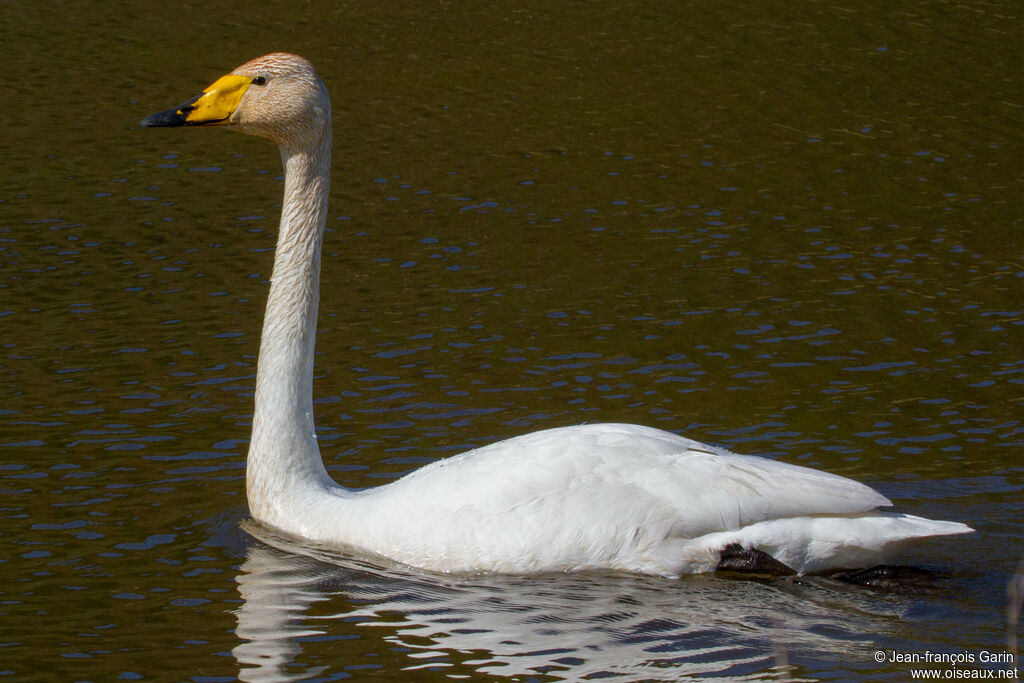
column 713, row 490
column 628, row 475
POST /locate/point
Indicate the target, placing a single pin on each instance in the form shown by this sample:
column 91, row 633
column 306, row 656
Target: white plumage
column 608, row 496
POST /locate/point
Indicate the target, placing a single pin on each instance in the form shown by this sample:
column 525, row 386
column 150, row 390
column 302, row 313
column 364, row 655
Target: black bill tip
column 172, row 117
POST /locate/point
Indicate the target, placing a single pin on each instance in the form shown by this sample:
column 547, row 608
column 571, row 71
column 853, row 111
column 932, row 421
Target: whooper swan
column 611, row 496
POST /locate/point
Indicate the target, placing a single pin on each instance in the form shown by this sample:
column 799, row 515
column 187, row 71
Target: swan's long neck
column 284, row 464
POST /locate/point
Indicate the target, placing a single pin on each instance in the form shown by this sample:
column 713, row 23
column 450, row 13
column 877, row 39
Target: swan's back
column 704, row 485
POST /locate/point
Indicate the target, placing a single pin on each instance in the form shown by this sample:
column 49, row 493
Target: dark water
column 790, row 228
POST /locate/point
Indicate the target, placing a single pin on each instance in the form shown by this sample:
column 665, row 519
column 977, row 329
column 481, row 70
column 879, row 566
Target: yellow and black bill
column 214, row 106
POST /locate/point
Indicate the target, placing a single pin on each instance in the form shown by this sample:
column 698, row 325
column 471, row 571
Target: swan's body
column 607, row 496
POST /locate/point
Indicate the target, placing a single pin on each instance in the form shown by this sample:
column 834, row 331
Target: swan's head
column 277, row 96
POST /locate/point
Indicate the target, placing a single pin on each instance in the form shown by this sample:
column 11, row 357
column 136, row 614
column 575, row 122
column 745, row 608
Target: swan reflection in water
column 564, row 625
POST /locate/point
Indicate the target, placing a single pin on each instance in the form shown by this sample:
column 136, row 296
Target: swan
column 594, row 496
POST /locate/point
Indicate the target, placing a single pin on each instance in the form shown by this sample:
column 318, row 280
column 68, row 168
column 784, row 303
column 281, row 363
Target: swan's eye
column 259, row 80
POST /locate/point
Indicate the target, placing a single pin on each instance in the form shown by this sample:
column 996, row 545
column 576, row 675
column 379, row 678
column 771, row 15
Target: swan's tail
column 815, row 544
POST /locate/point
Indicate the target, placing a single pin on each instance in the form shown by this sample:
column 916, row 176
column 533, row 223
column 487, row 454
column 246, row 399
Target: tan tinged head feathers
column 278, row 96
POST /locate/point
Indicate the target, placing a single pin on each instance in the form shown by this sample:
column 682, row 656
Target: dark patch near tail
column 751, row 562
column 737, row 559
column 889, row 577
